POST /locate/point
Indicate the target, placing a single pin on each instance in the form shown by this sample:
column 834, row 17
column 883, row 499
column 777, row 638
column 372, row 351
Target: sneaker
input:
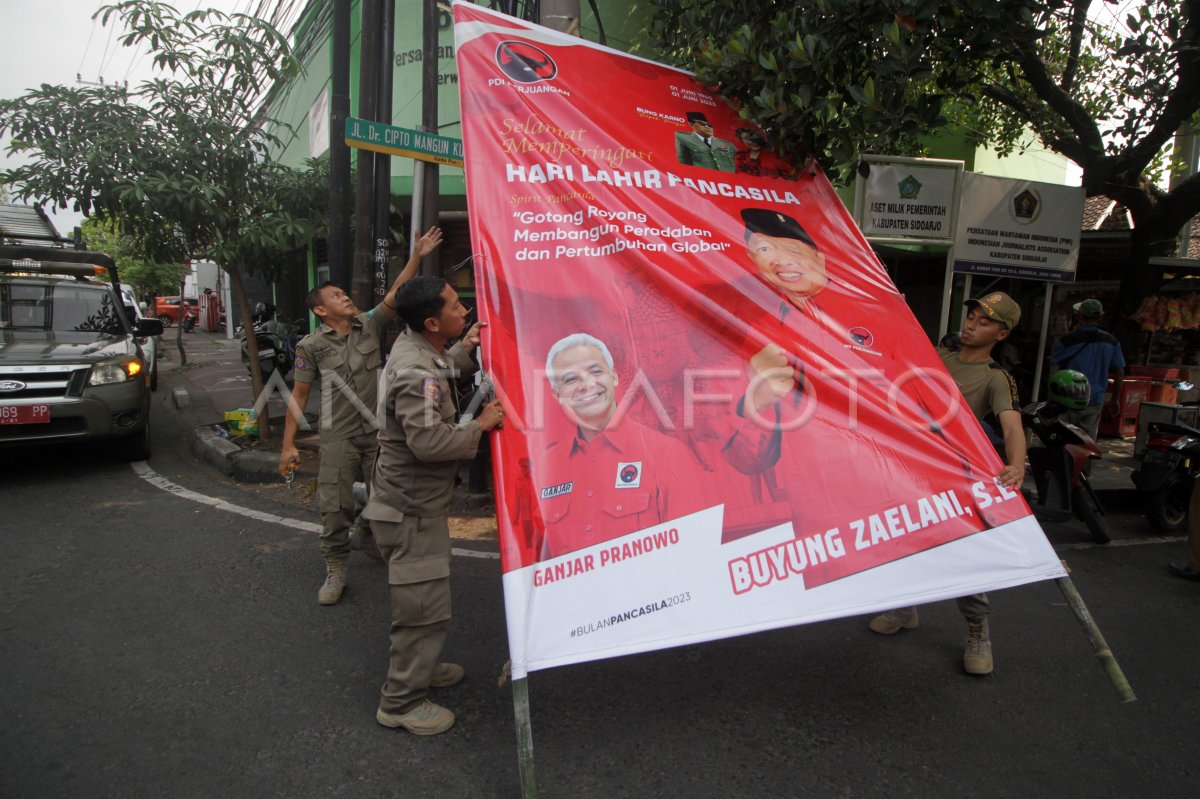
column 1184, row 571
column 894, row 621
column 335, row 581
column 447, row 674
column 977, row 652
column 426, row 718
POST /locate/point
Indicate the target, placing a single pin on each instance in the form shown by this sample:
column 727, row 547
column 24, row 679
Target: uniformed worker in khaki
column 420, row 446
column 344, row 354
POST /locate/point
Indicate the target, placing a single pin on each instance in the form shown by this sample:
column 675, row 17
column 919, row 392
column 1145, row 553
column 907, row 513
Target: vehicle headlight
column 114, row 372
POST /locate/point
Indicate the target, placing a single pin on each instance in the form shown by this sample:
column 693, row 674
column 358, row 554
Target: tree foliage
column 838, row 78
column 133, row 267
column 180, row 162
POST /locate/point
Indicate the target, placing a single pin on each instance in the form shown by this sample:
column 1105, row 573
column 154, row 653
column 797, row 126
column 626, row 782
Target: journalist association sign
column 1018, row 228
column 721, row 415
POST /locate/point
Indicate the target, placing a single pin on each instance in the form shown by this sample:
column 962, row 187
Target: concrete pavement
column 214, row 381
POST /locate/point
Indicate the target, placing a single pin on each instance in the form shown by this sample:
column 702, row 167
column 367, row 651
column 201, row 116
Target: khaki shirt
column 420, row 443
column 348, row 368
column 984, row 385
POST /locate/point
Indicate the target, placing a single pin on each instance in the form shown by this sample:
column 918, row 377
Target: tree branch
column 1059, row 101
column 1078, row 20
column 1182, row 103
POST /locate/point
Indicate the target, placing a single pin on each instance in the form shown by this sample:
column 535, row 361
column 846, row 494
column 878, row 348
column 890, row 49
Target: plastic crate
column 1133, row 393
column 1154, row 372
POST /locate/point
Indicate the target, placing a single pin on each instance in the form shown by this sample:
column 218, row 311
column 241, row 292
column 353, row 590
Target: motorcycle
column 1060, row 469
column 269, row 342
column 1168, row 473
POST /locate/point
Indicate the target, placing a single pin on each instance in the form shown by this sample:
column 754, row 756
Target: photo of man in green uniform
column 699, row 147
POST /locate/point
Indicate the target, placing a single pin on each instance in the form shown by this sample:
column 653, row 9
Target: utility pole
column 561, row 15
column 362, row 291
column 383, row 163
column 425, row 174
column 339, row 153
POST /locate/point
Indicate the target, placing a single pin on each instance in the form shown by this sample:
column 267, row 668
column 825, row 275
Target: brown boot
column 894, row 621
column 977, row 652
column 335, row 580
column 426, row 718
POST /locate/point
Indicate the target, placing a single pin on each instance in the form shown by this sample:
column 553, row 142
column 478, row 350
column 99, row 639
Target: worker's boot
column 335, row 580
column 977, row 652
column 894, row 621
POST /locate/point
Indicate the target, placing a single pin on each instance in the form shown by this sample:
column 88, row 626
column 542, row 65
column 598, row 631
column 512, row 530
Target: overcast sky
column 53, row 42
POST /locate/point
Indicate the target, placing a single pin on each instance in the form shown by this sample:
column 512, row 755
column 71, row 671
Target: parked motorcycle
column 1060, row 461
column 1168, row 473
column 270, row 347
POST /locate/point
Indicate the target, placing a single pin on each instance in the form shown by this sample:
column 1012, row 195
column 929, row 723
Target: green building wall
column 623, row 26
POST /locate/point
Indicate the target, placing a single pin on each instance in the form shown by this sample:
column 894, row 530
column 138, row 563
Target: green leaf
column 859, row 95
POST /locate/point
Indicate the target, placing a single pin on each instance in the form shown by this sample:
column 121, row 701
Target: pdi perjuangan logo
column 525, row 63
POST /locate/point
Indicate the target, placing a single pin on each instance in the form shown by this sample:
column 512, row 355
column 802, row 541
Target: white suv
column 149, row 343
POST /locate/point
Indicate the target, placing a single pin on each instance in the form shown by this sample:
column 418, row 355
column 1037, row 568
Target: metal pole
column 1037, row 370
column 962, row 312
column 561, row 15
column 429, row 123
column 363, row 282
column 383, row 163
column 947, row 293
column 339, row 153
column 418, row 191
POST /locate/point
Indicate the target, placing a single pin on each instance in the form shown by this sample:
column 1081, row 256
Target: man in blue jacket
column 1098, row 355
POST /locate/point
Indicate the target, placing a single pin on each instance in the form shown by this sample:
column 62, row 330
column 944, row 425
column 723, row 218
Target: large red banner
column 723, row 416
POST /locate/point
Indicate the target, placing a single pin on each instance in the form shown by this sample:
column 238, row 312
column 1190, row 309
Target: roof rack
column 50, row 260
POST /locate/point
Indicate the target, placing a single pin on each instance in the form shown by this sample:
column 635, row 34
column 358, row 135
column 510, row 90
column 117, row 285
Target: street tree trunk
column 256, row 375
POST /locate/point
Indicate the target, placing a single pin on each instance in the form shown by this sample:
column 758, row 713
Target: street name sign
column 391, row 140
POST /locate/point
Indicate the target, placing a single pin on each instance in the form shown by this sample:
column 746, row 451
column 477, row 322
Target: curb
column 233, row 461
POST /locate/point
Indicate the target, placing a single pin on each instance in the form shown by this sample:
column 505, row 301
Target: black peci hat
column 766, row 222
column 697, row 116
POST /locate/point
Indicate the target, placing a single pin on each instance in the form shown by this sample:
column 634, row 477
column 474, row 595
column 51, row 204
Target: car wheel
column 166, row 320
column 136, row 447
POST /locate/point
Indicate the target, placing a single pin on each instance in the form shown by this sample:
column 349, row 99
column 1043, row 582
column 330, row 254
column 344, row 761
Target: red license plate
column 24, row 414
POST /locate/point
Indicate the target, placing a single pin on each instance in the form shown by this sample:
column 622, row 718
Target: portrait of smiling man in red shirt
column 613, row 476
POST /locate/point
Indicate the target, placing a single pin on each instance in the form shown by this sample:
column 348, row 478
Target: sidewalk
column 215, row 381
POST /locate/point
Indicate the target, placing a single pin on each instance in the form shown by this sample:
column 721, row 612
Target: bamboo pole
column 1099, row 645
column 524, row 738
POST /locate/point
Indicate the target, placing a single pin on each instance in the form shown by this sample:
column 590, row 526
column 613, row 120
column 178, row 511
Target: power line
column 87, row 47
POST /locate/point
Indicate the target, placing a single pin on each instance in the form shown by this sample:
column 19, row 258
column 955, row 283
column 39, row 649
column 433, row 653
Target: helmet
column 1070, row 389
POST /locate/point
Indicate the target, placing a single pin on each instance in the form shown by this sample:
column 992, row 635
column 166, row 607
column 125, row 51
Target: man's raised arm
column 425, row 245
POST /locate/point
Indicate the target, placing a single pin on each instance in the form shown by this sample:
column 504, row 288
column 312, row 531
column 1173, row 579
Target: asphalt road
column 154, row 646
